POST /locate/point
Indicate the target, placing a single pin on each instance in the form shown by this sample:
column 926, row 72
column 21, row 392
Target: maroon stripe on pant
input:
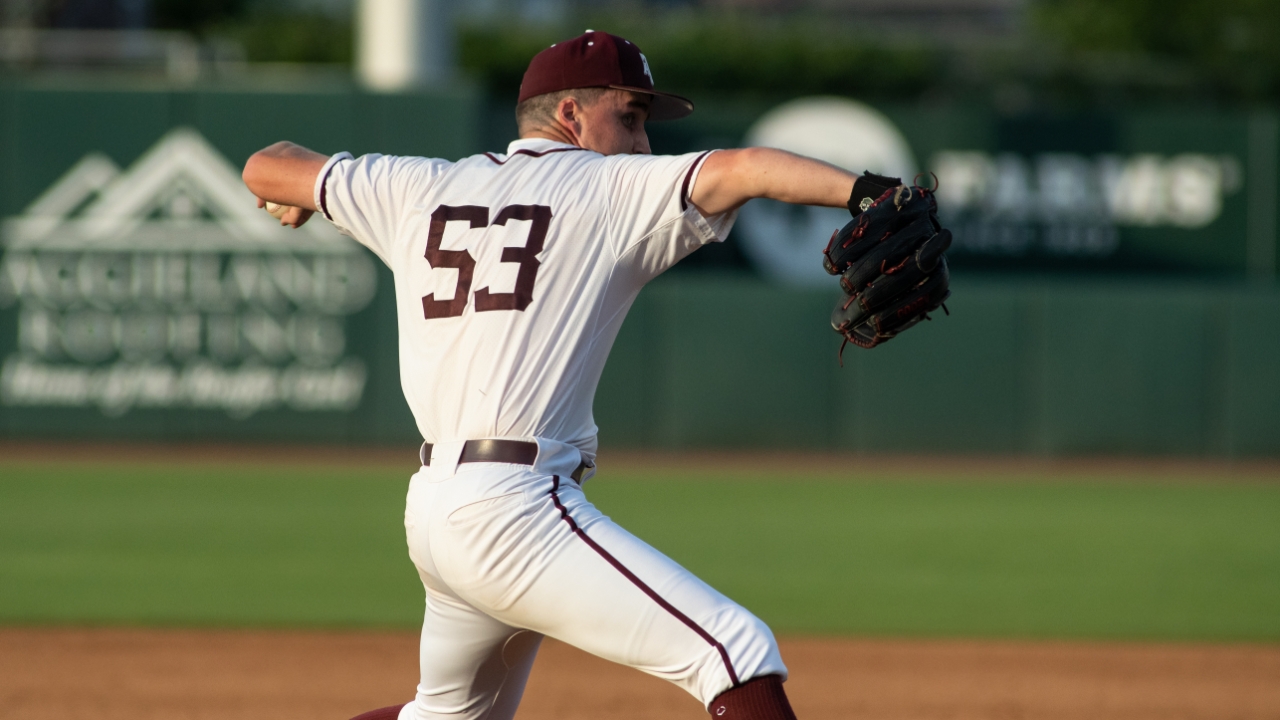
column 653, row 595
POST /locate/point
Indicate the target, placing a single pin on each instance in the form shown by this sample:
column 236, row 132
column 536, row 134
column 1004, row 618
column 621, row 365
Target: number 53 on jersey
column 478, row 218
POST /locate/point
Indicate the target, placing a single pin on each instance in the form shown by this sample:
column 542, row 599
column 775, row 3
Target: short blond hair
column 540, row 110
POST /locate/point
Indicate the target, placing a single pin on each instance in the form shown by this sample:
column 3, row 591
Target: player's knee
column 749, row 651
column 758, row 654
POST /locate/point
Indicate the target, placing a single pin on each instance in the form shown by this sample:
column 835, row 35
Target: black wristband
column 867, row 189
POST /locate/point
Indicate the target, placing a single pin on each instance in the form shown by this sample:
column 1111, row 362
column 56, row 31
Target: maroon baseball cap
column 598, row 59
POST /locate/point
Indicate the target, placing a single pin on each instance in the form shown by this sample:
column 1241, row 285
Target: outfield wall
column 142, row 297
column 1023, row 366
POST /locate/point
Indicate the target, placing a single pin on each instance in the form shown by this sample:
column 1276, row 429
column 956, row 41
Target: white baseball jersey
column 514, row 272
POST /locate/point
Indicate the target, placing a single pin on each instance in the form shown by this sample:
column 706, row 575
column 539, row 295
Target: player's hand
column 288, row 215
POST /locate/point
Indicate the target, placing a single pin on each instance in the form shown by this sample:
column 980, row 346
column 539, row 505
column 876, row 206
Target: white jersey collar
column 537, row 145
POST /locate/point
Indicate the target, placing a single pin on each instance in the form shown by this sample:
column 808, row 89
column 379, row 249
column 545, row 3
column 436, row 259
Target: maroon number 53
column 526, row 257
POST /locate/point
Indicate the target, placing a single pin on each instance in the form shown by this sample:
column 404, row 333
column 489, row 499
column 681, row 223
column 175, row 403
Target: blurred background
column 201, row 419
column 1109, row 169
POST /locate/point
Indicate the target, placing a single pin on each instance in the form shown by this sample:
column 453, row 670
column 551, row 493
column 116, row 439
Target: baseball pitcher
column 513, row 273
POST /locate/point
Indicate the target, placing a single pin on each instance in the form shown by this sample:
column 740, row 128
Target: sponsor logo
column 1073, row 205
column 997, row 205
column 163, row 286
column 782, row 240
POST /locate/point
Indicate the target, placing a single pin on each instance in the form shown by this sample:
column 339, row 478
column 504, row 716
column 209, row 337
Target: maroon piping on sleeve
column 324, row 192
column 530, row 153
column 653, row 595
column 688, row 177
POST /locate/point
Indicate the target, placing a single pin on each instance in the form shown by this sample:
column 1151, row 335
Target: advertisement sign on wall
column 160, row 285
column 1145, row 194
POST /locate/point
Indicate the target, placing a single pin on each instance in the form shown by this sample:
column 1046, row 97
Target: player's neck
column 554, row 133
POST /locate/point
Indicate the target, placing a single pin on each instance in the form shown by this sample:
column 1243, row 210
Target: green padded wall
column 1055, row 367
column 1041, row 365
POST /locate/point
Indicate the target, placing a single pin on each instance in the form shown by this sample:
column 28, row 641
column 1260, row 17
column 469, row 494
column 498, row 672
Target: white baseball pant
column 510, row 553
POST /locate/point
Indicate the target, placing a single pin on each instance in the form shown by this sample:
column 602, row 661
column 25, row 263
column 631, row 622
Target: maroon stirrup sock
column 760, row 698
column 390, row 712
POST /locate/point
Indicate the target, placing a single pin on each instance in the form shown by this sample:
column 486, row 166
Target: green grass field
column 1071, row 557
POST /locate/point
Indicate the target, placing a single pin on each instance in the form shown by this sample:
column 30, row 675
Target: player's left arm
column 729, row 178
column 284, row 174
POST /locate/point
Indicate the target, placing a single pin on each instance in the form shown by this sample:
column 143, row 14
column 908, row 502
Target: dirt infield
column 114, row 674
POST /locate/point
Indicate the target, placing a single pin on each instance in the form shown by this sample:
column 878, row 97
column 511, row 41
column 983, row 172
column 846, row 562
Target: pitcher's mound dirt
column 178, row 674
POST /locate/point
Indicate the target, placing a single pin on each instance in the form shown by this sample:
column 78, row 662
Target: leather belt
column 514, row 452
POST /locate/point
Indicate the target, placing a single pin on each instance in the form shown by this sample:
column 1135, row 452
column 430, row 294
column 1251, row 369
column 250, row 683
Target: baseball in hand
column 276, row 211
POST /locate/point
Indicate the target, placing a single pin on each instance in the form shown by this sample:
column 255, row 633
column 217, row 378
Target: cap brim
column 664, row 106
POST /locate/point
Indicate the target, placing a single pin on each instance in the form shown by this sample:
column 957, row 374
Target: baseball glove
column 890, row 261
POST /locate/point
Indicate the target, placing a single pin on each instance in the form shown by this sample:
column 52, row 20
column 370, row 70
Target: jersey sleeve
column 368, row 197
column 652, row 222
